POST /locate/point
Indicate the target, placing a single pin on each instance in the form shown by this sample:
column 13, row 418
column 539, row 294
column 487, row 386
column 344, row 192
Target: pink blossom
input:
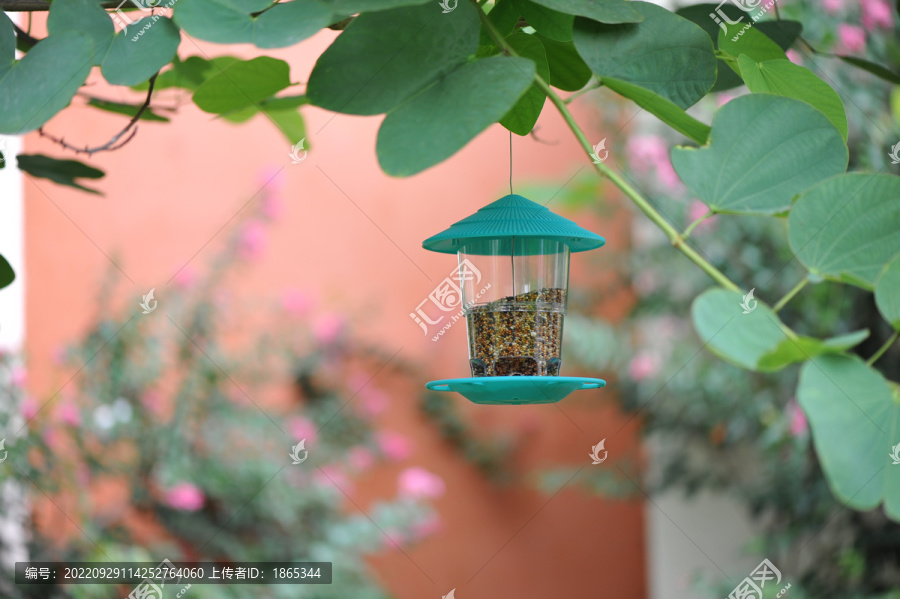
column 302, row 428
column 724, row 98
column 186, row 497
column 328, row 327
column 374, row 401
column 29, row 408
column 697, row 209
column 360, row 458
column 852, row 39
column 186, row 277
column 794, row 56
column 68, row 412
column 832, row 6
column 297, row 303
column 393, row 538
column 427, row 527
column 649, row 153
column 876, row 14
column 418, row 483
column 393, row 445
column 798, row 424
column 252, row 240
column 18, row 377
column 642, row 366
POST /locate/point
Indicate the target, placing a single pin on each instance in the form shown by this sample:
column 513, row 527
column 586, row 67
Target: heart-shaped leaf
column 887, row 292
column 44, row 81
column 567, row 71
column 750, row 42
column 665, row 110
column 435, row 124
column 135, row 57
column 665, row 54
column 7, row 43
column 524, row 114
column 784, row 78
column 87, row 17
column 848, row 227
column 189, row 73
column 64, row 172
column 603, row 11
column 763, row 150
column 7, row 274
column 546, row 21
column 747, row 333
column 852, row 414
column 242, row 85
column 384, row 58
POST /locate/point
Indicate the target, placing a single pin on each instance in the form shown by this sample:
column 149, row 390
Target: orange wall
column 175, row 188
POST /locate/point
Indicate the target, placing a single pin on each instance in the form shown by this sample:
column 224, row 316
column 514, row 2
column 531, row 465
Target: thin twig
column 883, row 348
column 790, row 294
column 114, row 143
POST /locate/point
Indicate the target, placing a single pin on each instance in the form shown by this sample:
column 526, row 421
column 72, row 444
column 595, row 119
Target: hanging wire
column 510, row 163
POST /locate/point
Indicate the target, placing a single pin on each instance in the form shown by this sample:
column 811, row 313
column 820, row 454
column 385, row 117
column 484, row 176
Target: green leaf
column 435, row 124
column 603, row 11
column 763, row 150
column 848, row 227
column 289, row 122
column 887, row 292
column 7, row 43
column 351, row 7
column 756, row 340
column 384, row 58
column 665, row 110
column 44, row 81
column 546, row 21
column 665, row 54
column 243, row 84
column 567, row 71
column 750, row 42
column 87, row 17
column 784, row 78
column 521, row 119
column 284, row 103
column 237, row 21
column 127, row 109
column 135, row 57
column 63, row 172
column 7, row 274
column 871, row 67
column 189, row 73
column 852, row 415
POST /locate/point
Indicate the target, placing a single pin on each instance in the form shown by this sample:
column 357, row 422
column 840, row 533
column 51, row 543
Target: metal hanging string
column 510, row 163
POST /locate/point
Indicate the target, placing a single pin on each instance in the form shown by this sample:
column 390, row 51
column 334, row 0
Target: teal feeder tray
column 514, row 278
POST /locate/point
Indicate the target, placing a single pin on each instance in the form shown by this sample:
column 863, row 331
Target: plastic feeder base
column 515, row 390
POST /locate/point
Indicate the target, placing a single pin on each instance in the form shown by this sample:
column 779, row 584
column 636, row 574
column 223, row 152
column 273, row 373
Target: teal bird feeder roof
column 511, row 217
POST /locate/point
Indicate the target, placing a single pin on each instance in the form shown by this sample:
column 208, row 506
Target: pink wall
column 175, row 187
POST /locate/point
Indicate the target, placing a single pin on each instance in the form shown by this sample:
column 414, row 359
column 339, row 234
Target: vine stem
column 690, row 227
column 640, row 201
column 790, row 294
column 883, row 348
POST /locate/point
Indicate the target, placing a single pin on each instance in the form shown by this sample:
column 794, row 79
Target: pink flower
column 798, row 424
column 302, row 428
column 18, row 377
column 794, row 56
column 393, row 538
column 724, row 98
column 876, row 14
column 29, row 408
column 642, row 366
column 360, row 458
column 427, row 527
column 394, row 446
column 832, row 6
column 297, row 303
column 327, row 328
column 69, row 413
column 418, row 483
column 649, row 153
column 252, row 240
column 186, row 277
column 186, row 497
column 374, row 401
column 852, row 39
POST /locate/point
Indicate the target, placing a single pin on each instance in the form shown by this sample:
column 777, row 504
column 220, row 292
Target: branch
column 640, row 201
column 883, row 348
column 112, row 144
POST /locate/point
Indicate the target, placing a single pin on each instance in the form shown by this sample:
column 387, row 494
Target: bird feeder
column 514, row 277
